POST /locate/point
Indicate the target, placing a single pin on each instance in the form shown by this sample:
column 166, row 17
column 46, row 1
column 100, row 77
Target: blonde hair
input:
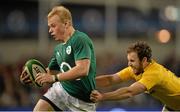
column 63, row 13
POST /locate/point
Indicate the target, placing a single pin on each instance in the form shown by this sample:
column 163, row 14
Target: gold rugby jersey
column 160, row 82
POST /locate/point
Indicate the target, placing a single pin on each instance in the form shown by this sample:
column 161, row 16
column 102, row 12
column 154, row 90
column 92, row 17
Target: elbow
column 83, row 67
column 130, row 95
column 84, row 71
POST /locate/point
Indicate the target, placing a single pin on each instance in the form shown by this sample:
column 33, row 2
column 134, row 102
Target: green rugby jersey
column 78, row 47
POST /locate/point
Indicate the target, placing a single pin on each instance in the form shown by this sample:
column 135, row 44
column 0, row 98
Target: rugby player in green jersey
column 72, row 68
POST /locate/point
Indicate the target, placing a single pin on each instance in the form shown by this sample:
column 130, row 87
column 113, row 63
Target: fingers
column 39, row 78
column 93, row 99
column 25, row 78
column 95, row 96
column 43, row 78
column 95, row 93
column 47, row 70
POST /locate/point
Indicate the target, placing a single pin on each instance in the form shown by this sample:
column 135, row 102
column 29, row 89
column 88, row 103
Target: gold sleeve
column 125, row 74
column 149, row 80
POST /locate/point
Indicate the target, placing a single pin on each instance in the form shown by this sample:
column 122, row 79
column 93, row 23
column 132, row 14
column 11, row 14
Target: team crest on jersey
column 68, row 50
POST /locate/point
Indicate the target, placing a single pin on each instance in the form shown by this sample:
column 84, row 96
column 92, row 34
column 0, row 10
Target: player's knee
column 42, row 106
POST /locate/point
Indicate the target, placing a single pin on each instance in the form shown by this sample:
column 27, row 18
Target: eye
column 51, row 25
column 131, row 60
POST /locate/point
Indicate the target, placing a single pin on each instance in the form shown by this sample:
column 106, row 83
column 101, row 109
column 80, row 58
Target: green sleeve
column 82, row 49
column 53, row 65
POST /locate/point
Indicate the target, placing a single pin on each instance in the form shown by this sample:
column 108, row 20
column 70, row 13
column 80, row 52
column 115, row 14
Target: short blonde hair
column 63, row 13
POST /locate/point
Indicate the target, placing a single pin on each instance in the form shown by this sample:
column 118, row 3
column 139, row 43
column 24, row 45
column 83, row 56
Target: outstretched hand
column 96, row 96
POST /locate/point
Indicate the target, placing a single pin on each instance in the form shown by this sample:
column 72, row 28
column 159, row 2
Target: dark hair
column 142, row 49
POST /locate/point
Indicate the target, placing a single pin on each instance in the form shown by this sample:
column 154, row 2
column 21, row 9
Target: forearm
column 107, row 80
column 122, row 93
column 74, row 73
column 119, row 94
column 103, row 81
column 52, row 72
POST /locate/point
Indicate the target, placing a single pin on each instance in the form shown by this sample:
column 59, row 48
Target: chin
column 56, row 39
column 135, row 73
column 138, row 72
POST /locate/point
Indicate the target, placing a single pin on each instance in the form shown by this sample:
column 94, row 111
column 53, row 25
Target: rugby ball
column 33, row 67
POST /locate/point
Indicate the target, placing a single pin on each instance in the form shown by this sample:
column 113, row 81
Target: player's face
column 135, row 63
column 56, row 28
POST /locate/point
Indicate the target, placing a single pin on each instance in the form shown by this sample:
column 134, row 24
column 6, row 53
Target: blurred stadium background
column 112, row 24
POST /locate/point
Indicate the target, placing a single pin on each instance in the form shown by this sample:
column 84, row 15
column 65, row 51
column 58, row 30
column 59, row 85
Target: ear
column 67, row 23
column 144, row 59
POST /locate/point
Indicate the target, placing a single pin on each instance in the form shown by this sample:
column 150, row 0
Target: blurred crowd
column 15, row 95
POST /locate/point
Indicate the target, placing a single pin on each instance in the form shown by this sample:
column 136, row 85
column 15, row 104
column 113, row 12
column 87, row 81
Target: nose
column 129, row 63
column 50, row 30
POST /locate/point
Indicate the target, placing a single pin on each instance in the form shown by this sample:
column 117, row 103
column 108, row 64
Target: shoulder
column 153, row 68
column 127, row 69
column 125, row 72
column 153, row 73
column 80, row 37
column 80, row 34
column 58, row 46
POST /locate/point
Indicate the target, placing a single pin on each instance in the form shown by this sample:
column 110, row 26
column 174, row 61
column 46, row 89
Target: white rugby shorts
column 58, row 96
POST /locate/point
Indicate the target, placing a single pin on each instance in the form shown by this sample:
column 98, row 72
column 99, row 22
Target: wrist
column 103, row 97
column 55, row 78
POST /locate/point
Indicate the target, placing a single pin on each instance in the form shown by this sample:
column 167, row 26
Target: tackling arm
column 119, row 94
column 107, row 80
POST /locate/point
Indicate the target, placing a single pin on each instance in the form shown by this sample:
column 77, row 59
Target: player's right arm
column 112, row 79
column 119, row 94
column 107, row 80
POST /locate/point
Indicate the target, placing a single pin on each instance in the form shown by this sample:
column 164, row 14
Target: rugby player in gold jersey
column 150, row 77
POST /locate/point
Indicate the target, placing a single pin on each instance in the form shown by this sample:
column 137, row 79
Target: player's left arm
column 119, row 94
column 80, row 70
column 82, row 56
column 52, row 72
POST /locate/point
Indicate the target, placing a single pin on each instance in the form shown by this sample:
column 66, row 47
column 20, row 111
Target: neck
column 69, row 33
column 146, row 64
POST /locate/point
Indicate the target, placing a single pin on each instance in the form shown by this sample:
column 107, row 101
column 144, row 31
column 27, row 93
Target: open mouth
column 53, row 36
column 134, row 69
